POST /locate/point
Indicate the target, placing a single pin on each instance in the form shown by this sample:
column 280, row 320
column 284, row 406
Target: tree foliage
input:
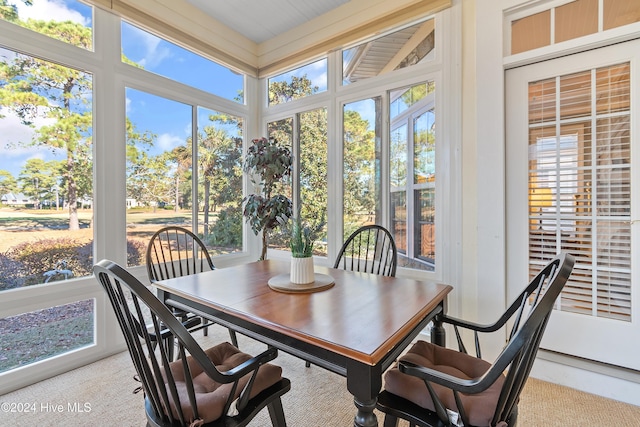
column 33, row 88
column 8, row 183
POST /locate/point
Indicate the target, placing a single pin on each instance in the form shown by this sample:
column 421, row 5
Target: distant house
column 132, row 203
column 13, row 199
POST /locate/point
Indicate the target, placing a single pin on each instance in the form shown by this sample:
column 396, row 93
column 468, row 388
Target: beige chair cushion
column 479, row 407
column 210, row 395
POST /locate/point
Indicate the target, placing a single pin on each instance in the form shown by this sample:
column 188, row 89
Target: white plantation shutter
column 580, row 186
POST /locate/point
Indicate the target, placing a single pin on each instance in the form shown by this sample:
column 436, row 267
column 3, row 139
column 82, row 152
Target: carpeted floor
column 101, row 394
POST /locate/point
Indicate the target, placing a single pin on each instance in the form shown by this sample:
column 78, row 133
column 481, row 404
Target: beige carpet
column 317, row 398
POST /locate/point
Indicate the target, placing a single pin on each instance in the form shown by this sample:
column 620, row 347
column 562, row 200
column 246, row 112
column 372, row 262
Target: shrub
column 9, row 273
column 36, row 258
column 227, row 230
column 135, row 252
column 27, row 263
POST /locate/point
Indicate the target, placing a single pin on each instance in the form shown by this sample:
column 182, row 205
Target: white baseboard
column 603, row 380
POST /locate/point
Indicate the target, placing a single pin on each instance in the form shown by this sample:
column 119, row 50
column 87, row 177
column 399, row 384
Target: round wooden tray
column 282, row 283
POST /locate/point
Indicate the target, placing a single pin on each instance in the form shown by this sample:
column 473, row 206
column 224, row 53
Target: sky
column 169, row 120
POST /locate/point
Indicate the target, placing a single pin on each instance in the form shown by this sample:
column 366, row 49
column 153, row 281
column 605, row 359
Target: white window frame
column 448, row 181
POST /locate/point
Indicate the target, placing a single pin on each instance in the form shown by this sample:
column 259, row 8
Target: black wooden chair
column 192, row 390
column 174, row 252
column 369, row 249
column 437, row 386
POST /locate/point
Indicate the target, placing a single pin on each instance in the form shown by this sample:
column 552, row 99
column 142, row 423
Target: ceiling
column 261, row 20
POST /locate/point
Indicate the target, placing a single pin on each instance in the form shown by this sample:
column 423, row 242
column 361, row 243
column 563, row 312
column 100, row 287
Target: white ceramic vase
column 302, row 270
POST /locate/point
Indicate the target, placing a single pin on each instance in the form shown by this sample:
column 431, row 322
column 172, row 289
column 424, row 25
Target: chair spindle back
column 370, row 249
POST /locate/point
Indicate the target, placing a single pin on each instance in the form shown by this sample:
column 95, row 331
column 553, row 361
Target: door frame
column 598, row 344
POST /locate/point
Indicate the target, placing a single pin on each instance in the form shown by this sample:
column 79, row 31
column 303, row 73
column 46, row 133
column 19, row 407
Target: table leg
column 438, row 334
column 364, row 382
column 365, row 416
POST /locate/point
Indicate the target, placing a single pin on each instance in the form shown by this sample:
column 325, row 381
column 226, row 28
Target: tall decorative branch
column 272, row 164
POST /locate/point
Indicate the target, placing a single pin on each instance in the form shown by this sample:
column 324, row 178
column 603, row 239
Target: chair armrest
column 468, row 386
column 251, row 365
column 475, row 326
column 189, row 323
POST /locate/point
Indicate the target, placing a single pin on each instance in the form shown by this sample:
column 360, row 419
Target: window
column 219, row 159
column 160, row 173
column 298, row 83
column 159, row 56
column 69, row 21
column 30, row 337
column 158, row 168
column 361, row 164
column 570, row 20
column 49, row 132
column 47, row 182
column 400, row 49
column 412, row 174
column 308, row 189
column 387, row 172
column 312, row 173
column 46, row 191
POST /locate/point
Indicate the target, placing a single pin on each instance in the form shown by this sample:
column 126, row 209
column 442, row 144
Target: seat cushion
column 211, row 396
column 479, row 407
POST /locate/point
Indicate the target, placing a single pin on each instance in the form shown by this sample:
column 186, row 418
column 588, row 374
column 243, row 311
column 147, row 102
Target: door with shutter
column 573, row 185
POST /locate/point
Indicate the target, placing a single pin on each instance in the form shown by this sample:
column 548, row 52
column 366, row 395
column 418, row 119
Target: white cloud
column 13, row 132
column 14, row 143
column 154, row 52
column 50, row 10
column 167, row 142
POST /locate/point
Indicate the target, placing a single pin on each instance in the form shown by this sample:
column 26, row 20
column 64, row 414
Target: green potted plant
column 301, row 253
column 303, row 237
column 265, row 211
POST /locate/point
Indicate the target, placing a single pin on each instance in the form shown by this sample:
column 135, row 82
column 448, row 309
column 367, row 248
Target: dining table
column 356, row 326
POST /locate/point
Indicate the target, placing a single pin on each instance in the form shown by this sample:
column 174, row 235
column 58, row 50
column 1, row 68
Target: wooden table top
column 362, row 317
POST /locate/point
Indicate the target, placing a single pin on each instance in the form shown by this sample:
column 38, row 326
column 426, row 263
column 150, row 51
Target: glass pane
column 531, row 32
column 620, row 12
column 424, row 148
column 412, row 172
column 576, row 19
column 220, row 180
column 580, row 189
column 45, row 172
column 399, row 220
column 425, row 231
column 30, row 337
column 400, row 49
column 69, row 21
column 403, row 99
column 361, row 194
column 313, row 174
column 542, row 101
column 398, row 157
column 575, row 95
column 166, row 59
column 282, row 132
column 298, row 83
column 612, row 89
column 159, row 168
